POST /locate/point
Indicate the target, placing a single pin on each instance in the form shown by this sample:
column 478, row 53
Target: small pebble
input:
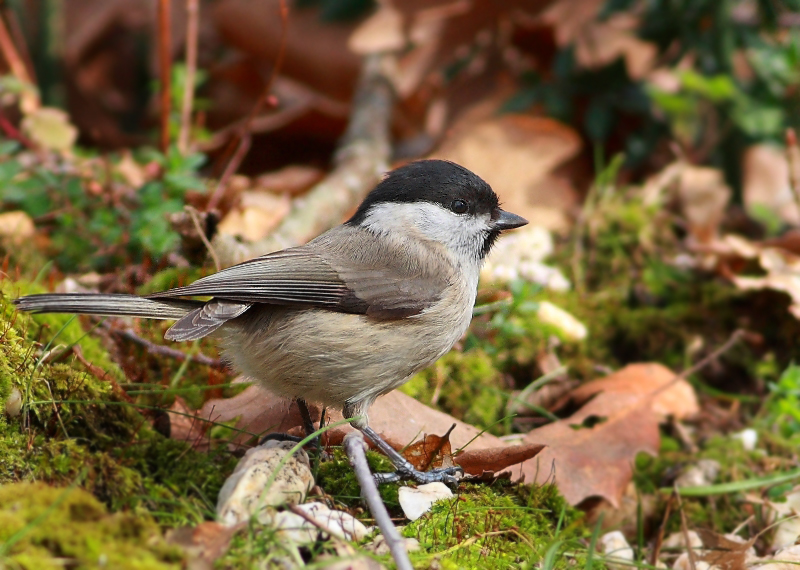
column 13, row 405
column 416, row 501
column 702, row 473
column 615, row 547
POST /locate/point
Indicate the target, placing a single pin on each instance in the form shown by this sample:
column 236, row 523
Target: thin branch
column 165, row 64
column 165, row 350
column 194, row 215
column 192, row 27
column 354, row 448
column 241, row 140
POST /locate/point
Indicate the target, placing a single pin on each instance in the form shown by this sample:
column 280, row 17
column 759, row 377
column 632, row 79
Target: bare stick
column 192, row 26
column 29, row 99
column 360, row 161
column 194, row 214
column 354, row 448
column 165, row 63
column 165, row 350
column 685, row 531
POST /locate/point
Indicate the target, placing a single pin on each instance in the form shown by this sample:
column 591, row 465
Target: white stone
column 244, row 493
column 683, row 563
column 615, row 547
column 788, row 529
column 13, row 404
column 702, row 473
column 294, row 527
column 571, row 327
column 748, row 437
column 676, row 540
column 785, row 559
column 416, row 501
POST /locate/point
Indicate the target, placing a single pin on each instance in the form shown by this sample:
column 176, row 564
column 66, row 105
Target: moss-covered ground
column 87, row 477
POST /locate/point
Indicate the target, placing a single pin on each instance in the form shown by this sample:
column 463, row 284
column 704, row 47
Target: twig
column 165, row 64
column 362, row 157
column 100, row 374
column 192, row 18
column 685, row 530
column 791, row 159
column 660, row 537
column 241, row 140
column 165, row 350
column 194, row 215
column 703, row 362
column 354, row 448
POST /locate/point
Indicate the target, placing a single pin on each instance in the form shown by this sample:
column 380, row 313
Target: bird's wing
column 328, row 274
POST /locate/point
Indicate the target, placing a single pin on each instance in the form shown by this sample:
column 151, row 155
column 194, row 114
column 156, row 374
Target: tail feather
column 107, row 305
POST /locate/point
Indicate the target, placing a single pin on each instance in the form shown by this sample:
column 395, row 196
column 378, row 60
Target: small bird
column 355, row 312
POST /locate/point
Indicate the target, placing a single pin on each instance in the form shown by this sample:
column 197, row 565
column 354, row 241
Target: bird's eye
column 459, row 206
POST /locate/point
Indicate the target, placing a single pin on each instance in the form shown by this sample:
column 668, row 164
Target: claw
column 446, row 475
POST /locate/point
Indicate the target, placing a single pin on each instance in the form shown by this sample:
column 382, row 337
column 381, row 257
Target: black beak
column 503, row 220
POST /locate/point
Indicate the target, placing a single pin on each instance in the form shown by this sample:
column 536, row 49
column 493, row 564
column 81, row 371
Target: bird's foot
column 446, row 475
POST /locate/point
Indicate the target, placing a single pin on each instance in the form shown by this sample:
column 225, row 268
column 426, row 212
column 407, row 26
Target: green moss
column 74, row 422
column 43, row 527
column 498, row 526
column 469, row 384
column 337, row 478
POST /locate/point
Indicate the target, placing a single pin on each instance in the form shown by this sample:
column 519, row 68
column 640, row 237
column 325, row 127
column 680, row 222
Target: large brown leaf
column 591, row 453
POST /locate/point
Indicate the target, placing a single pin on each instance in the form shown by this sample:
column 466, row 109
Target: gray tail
column 107, row 305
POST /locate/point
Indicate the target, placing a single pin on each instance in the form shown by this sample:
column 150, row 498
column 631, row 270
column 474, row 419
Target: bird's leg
column 404, row 468
column 308, row 427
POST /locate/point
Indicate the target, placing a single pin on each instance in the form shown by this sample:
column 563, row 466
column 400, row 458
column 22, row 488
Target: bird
column 352, row 314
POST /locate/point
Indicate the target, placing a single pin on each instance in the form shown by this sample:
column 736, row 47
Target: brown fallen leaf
column 496, row 459
column 591, row 453
column 205, row 543
column 765, row 183
column 722, row 552
column 430, row 452
column 600, row 42
column 670, row 397
column 293, row 179
column 256, row 216
column 185, row 425
column 260, row 412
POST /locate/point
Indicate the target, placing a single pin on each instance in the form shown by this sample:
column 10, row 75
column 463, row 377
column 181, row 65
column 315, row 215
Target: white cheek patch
column 463, row 234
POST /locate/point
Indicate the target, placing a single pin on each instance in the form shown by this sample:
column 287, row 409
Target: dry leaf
column 184, row 424
column 496, row 459
column 256, row 216
column 765, row 182
column 783, row 274
column 517, row 154
column 205, row 543
column 50, row 128
column 599, row 43
column 293, row 179
column 430, row 452
column 17, row 225
column 722, row 552
column 591, row 453
column 704, row 195
column 381, row 32
column 670, row 397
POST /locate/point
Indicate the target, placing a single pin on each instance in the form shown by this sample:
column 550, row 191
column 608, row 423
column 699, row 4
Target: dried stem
column 354, row 448
column 192, row 27
column 165, row 350
column 165, row 64
column 241, row 140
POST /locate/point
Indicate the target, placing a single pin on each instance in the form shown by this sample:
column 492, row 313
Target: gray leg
column 308, row 427
column 404, row 469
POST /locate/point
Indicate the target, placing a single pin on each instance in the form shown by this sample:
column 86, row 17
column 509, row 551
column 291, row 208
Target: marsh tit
column 354, row 313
